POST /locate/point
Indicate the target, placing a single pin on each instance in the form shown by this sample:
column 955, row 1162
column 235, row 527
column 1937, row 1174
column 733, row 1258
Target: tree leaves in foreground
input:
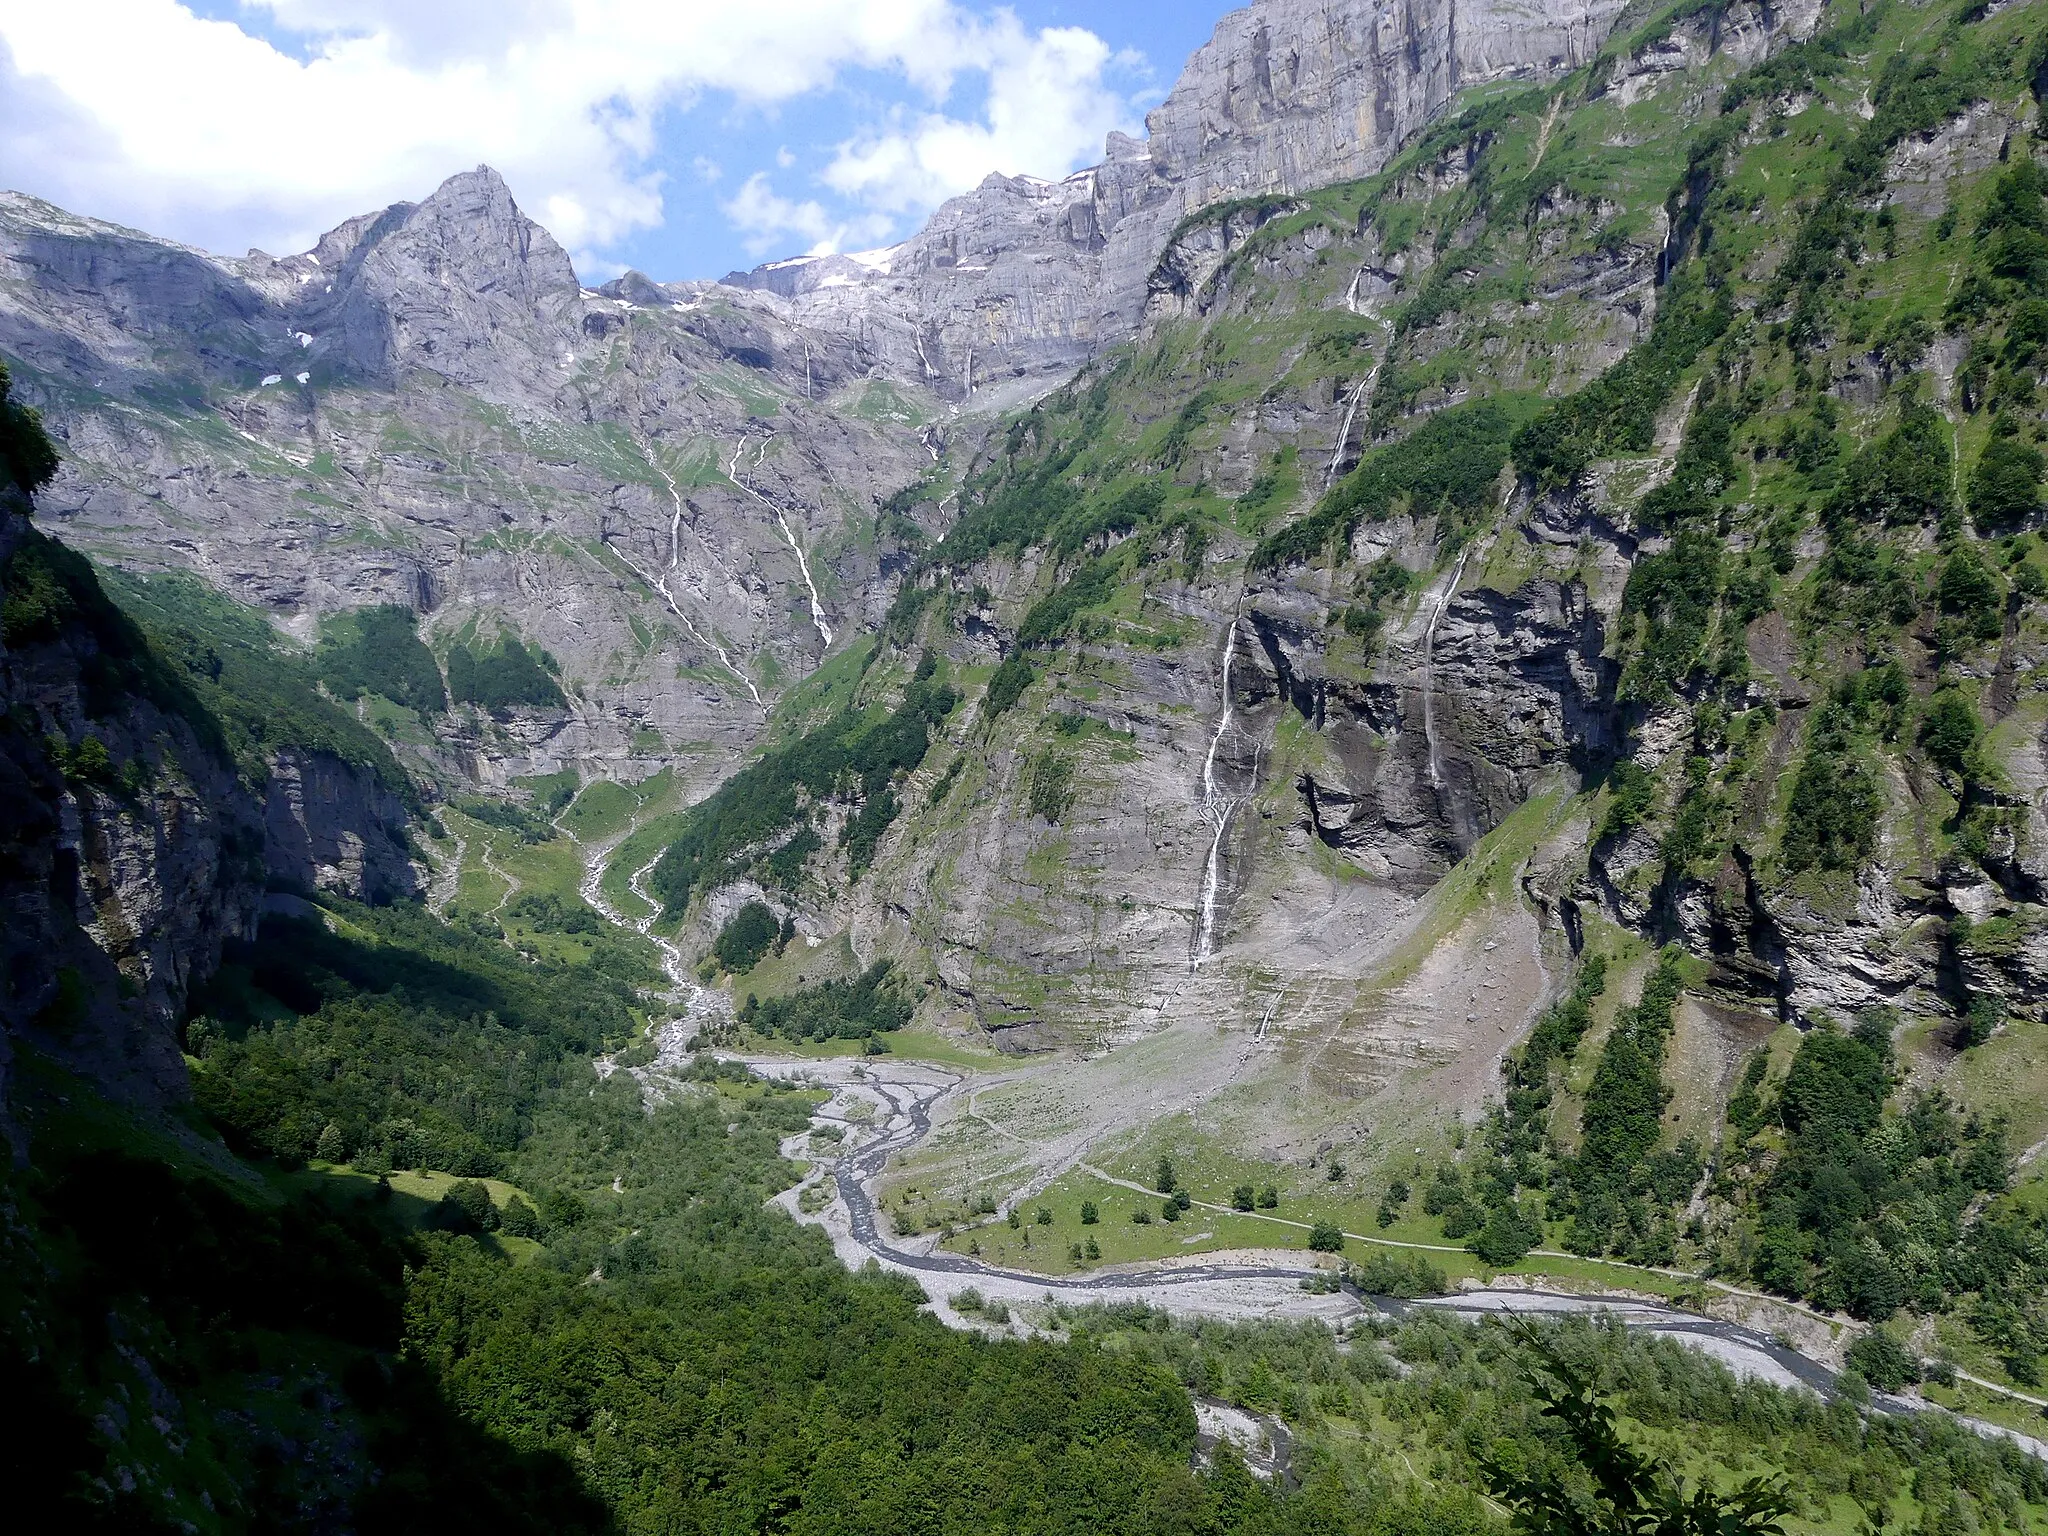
column 1606, row 1487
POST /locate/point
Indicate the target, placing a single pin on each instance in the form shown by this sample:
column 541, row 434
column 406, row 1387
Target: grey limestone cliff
column 1020, row 280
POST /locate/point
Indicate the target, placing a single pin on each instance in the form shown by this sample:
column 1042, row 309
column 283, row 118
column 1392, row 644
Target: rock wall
column 130, row 848
column 119, row 885
column 1020, row 279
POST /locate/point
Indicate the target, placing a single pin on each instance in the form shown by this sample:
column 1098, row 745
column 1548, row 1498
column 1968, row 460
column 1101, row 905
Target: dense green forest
column 500, row 675
column 378, row 650
column 643, row 1344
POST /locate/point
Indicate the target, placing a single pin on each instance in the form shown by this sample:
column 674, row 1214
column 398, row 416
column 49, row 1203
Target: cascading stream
column 1436, row 775
column 1217, row 809
column 1361, row 392
column 660, row 582
column 803, row 563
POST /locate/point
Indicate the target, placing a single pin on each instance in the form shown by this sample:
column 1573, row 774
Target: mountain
column 1440, row 654
column 427, row 409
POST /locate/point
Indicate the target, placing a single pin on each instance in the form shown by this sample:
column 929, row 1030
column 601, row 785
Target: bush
column 1981, row 1019
column 1241, row 1198
column 1089, row 1214
column 27, row 457
column 1326, row 1237
column 1951, row 730
column 1634, row 791
column 1007, row 686
column 466, row 1207
column 1402, row 1276
column 1506, row 1238
column 519, row 1219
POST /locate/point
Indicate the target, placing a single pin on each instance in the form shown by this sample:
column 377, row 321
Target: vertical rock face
column 1030, row 277
column 118, row 888
column 329, row 826
column 131, row 848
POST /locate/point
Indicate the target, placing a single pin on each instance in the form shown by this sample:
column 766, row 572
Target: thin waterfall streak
column 1361, row 392
column 803, row 563
column 1217, row 808
column 660, row 582
column 1436, row 776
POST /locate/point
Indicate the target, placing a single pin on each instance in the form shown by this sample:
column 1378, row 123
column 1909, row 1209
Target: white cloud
column 1047, row 111
column 767, row 221
column 141, row 111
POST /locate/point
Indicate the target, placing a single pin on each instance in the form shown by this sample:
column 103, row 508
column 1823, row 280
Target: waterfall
column 1216, row 810
column 1361, row 392
column 660, row 581
column 1436, row 773
column 803, row 563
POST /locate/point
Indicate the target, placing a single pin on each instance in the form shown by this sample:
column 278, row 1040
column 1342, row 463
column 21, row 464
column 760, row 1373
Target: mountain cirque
column 692, row 494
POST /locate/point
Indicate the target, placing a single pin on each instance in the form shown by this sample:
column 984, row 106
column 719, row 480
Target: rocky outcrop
column 131, row 846
column 129, row 851
column 330, row 826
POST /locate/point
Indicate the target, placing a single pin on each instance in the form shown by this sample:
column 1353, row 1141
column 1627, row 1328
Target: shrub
column 1403, row 1276
column 1981, row 1019
column 1634, row 791
column 519, row 1219
column 1241, row 1198
column 27, row 457
column 1089, row 1214
column 1951, row 730
column 466, row 1207
column 1326, row 1237
column 1007, row 685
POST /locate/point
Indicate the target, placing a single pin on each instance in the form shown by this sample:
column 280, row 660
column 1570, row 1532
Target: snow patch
column 270, row 379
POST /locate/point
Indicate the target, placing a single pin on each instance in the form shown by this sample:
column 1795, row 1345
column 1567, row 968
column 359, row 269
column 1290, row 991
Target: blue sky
column 679, row 137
